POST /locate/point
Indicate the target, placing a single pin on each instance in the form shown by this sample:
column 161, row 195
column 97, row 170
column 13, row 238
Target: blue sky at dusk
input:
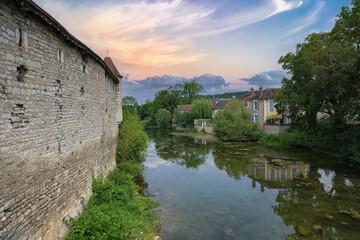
column 230, row 45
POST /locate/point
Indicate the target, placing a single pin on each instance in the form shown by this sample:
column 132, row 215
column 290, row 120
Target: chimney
column 261, row 91
column 251, row 92
column 214, row 100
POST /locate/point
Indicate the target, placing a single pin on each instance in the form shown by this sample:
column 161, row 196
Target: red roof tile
column 110, row 64
column 186, row 108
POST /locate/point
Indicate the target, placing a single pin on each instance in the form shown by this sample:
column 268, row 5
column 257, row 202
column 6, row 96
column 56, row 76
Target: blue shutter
column 252, row 106
column 271, row 105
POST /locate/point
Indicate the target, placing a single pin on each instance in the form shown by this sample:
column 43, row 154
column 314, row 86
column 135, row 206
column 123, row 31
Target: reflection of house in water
column 276, row 173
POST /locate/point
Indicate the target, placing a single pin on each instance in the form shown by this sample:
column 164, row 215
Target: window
column 283, row 175
column 255, row 118
column 272, row 174
column 18, row 34
column 271, row 105
column 60, row 56
column 255, row 105
column 21, row 38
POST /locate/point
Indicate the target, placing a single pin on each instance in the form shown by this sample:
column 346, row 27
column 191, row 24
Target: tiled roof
column 110, row 64
column 33, row 8
column 267, row 93
column 220, row 105
column 186, row 108
column 244, row 99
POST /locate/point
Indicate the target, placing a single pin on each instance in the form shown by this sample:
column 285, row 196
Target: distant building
column 184, row 108
column 219, row 106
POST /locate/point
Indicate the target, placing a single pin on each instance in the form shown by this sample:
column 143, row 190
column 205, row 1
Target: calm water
column 215, row 190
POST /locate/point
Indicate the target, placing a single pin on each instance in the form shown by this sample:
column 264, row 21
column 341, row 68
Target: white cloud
column 309, row 20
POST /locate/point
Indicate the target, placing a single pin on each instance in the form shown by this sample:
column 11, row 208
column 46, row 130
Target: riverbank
column 116, row 210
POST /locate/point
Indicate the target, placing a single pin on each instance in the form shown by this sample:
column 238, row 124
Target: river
column 209, row 189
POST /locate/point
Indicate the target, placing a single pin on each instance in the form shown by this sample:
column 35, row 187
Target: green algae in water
column 212, row 190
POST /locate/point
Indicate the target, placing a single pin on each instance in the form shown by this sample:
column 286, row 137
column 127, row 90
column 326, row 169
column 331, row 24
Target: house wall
column 263, row 112
column 58, row 127
column 259, row 112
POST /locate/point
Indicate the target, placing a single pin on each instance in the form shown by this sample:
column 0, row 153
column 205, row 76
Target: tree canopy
column 201, row 108
column 325, row 73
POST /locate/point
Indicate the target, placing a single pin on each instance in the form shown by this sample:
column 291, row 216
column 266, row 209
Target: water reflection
column 286, row 194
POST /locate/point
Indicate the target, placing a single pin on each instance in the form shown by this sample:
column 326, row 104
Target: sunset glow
column 232, row 39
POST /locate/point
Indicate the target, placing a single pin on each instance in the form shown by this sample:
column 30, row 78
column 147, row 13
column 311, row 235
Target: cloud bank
column 271, row 79
column 146, row 88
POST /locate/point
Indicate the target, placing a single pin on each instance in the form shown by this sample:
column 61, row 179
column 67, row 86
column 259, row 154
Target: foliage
column 325, row 78
column 233, row 124
column 132, row 138
column 169, row 99
column 325, row 73
column 144, row 109
column 201, row 108
column 191, row 89
column 273, row 116
column 163, row 118
column 183, row 119
column 130, row 104
column 344, row 146
column 115, row 210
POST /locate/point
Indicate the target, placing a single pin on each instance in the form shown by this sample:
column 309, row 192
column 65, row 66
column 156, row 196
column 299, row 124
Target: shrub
column 233, row 124
column 132, row 138
column 115, row 210
column 163, row 118
column 183, row 119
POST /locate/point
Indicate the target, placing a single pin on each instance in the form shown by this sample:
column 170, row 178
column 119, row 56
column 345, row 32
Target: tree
column 163, row 118
column 129, row 102
column 325, row 73
column 191, row 89
column 201, row 108
column 165, row 99
column 233, row 124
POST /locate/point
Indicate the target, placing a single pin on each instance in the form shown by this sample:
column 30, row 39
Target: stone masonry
column 60, row 106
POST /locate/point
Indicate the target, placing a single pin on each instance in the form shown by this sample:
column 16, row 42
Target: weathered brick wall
column 57, row 126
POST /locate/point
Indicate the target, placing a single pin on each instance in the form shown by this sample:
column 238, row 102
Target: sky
column 226, row 45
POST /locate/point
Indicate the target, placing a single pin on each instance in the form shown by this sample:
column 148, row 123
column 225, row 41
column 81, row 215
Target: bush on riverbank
column 233, row 124
column 324, row 138
column 116, row 210
column 132, row 138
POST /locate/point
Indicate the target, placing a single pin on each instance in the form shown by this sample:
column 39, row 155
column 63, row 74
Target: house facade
column 262, row 110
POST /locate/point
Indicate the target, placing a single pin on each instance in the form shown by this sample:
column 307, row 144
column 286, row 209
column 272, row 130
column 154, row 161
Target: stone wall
column 58, row 126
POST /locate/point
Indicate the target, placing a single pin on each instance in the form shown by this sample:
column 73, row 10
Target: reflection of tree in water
column 234, row 158
column 318, row 211
column 182, row 150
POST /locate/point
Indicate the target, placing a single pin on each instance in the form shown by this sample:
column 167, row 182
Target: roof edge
column 52, row 22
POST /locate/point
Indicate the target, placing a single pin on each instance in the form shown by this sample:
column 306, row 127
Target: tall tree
column 201, row 108
column 191, row 89
column 325, row 73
